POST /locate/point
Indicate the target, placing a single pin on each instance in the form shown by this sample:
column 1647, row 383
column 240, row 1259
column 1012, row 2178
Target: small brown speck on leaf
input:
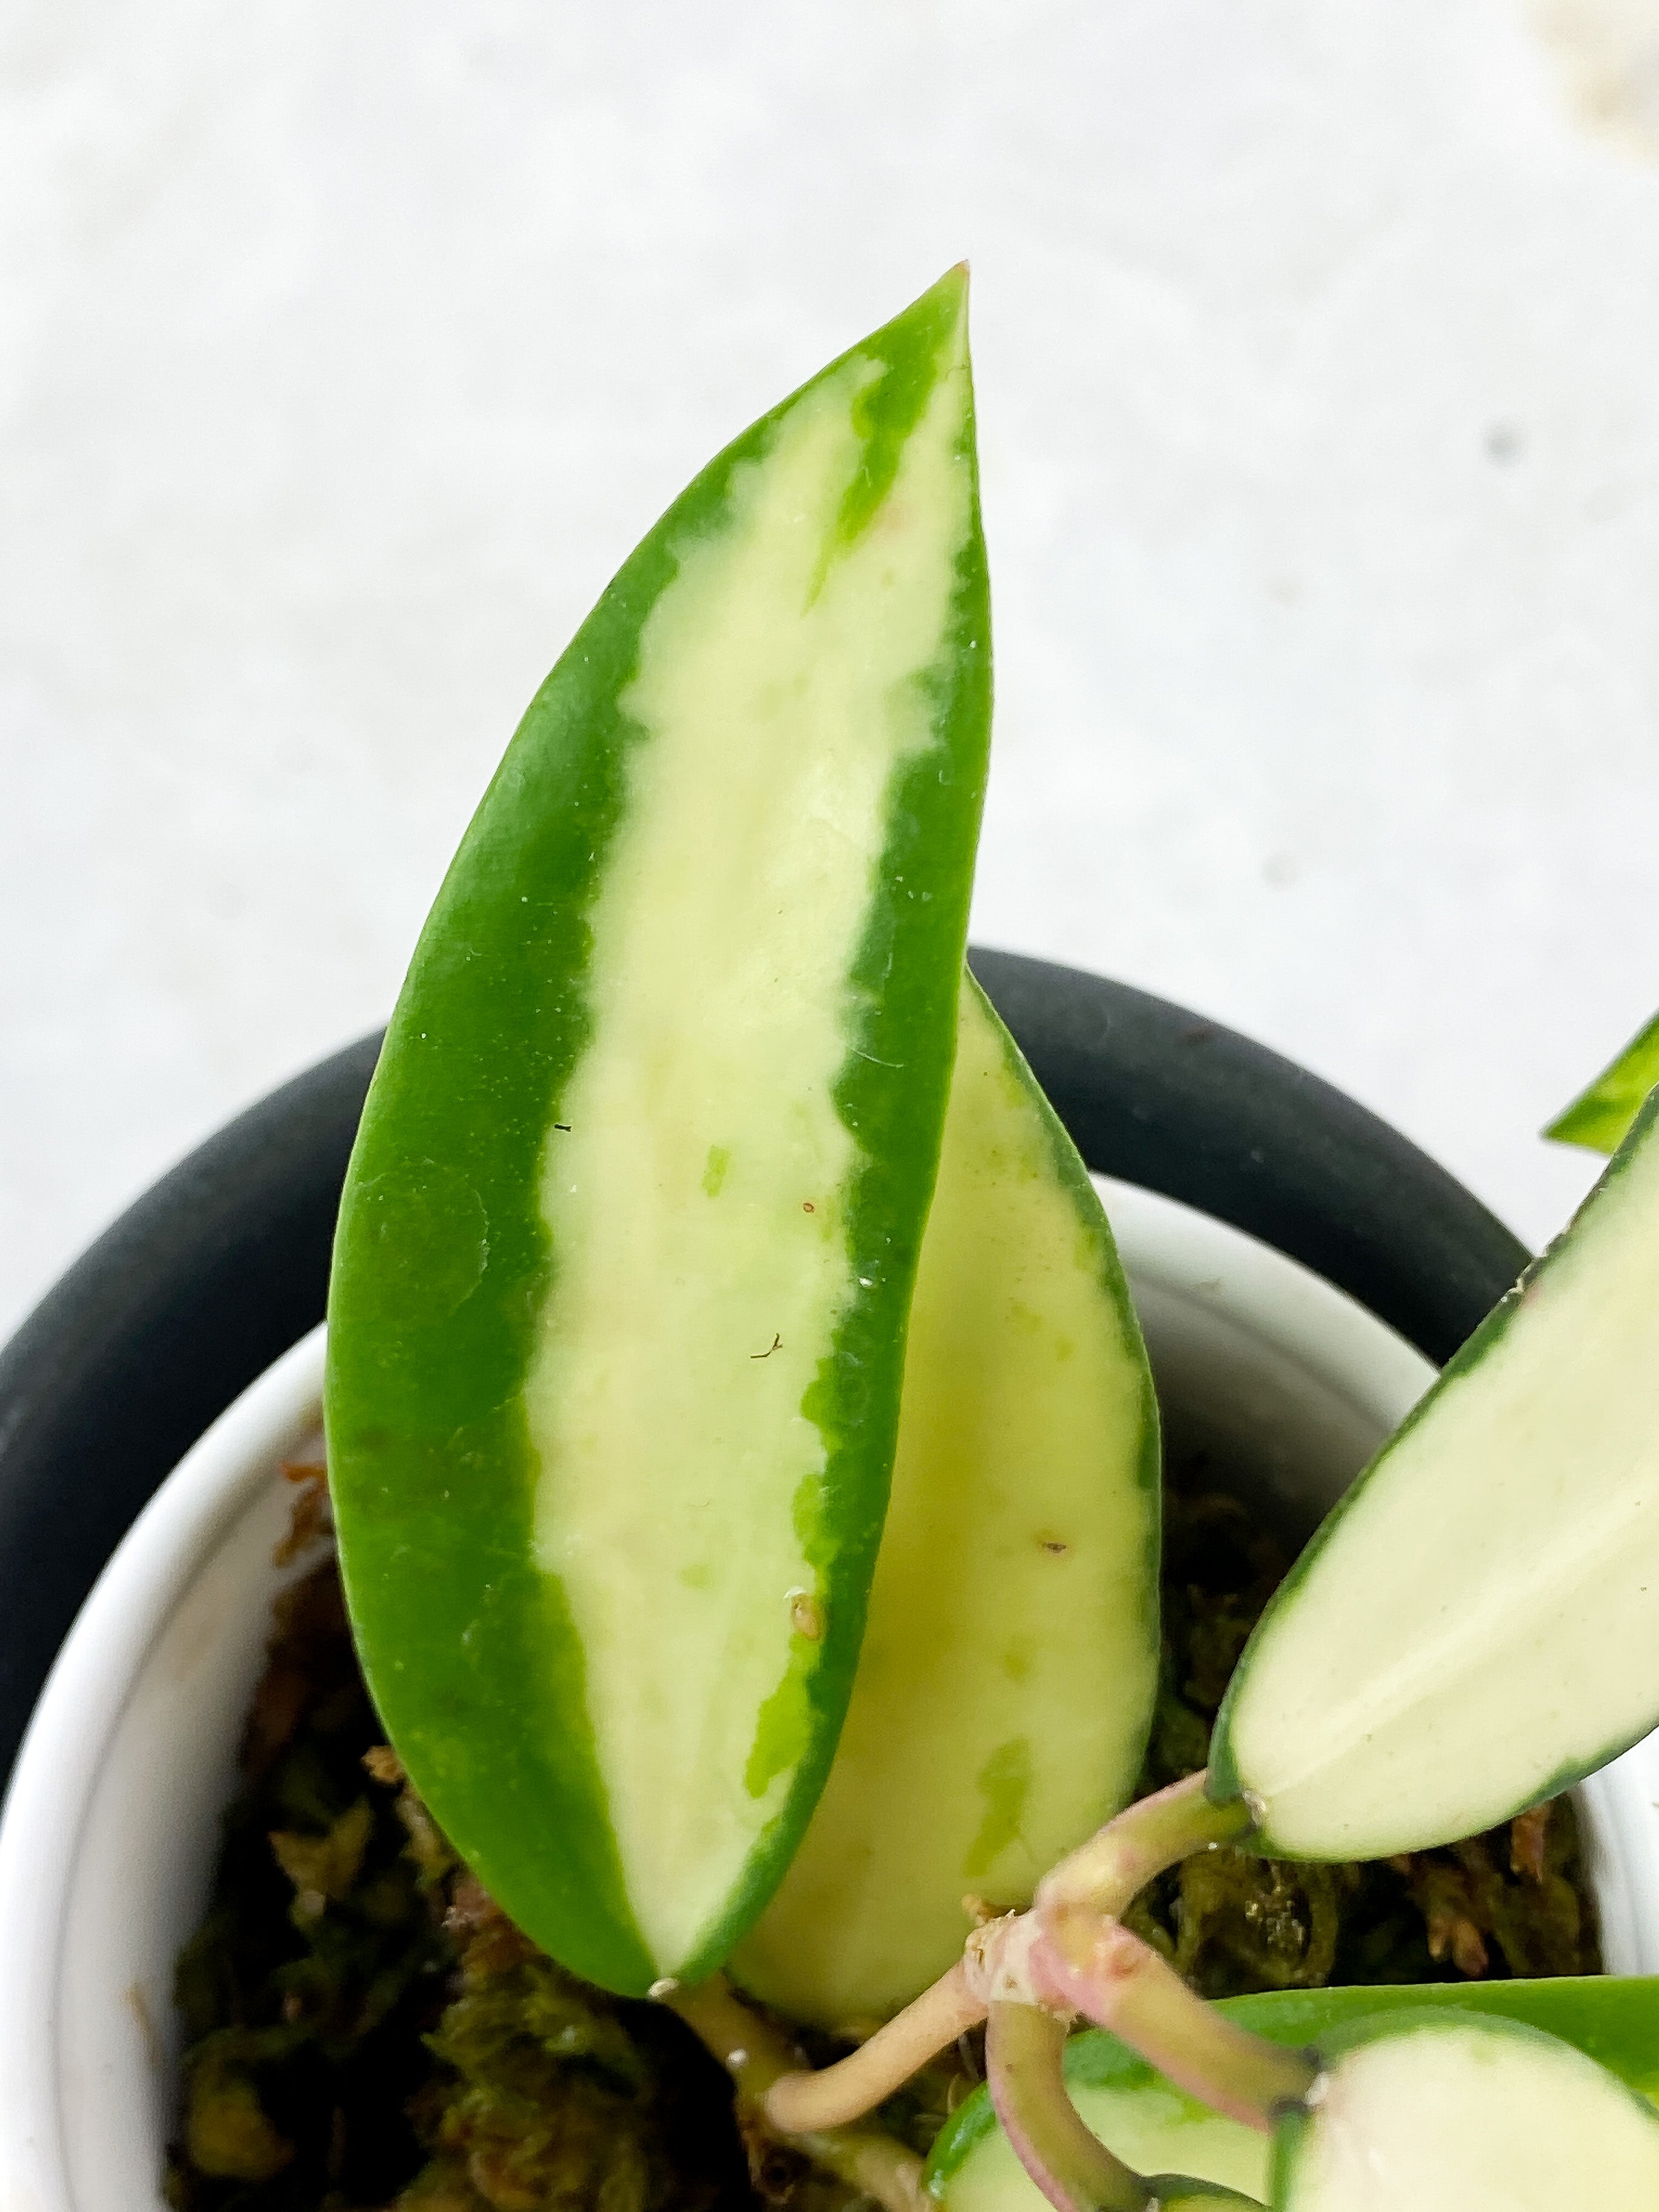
column 806, row 1615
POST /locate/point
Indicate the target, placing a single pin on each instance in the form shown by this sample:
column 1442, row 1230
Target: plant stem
column 1094, row 1964
column 757, row 2057
column 1024, row 2050
column 1111, row 1869
column 1101, row 1877
column 801, row 2100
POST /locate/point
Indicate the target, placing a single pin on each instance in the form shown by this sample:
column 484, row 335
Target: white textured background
column 345, row 350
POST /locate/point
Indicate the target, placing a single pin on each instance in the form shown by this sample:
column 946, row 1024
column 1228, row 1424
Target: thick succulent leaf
column 1472, row 2115
column 1009, row 1666
column 630, row 1232
column 1153, row 2126
column 1599, row 1118
column 1475, row 1625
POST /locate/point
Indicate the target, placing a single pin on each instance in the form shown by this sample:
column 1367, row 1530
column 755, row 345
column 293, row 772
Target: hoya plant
column 746, row 1465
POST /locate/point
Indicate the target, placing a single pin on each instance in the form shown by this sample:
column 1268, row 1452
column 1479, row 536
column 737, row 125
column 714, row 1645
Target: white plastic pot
column 110, row 1826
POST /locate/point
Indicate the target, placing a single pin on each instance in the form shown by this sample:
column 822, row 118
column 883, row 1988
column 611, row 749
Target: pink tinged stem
column 1092, row 1964
column 1112, row 1868
column 1024, row 2052
column 1103, row 1876
column 800, row 2102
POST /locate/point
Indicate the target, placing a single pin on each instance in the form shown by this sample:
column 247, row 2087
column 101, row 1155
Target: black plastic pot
column 223, row 1265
